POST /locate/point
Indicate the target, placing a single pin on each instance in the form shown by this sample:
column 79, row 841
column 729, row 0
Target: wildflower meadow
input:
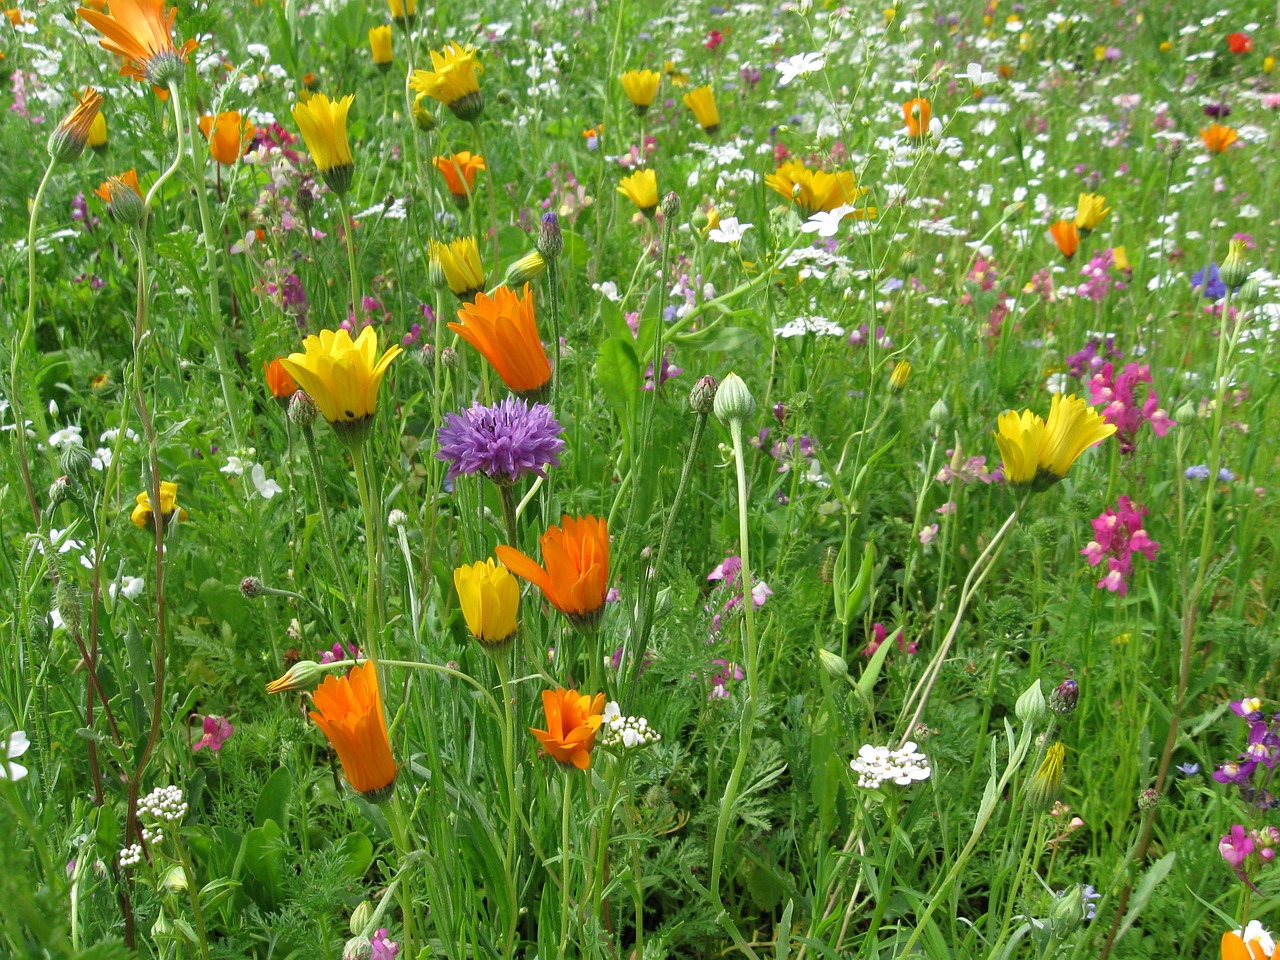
column 596, row 479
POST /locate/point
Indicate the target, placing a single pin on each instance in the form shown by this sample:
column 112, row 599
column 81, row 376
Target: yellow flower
column 815, row 190
column 343, row 376
column 323, row 123
column 1039, row 453
column 1121, row 258
column 459, row 262
column 1090, row 210
column 453, row 81
column 70, row 137
column 402, row 10
column 898, row 379
column 1047, row 782
column 490, row 599
column 98, row 133
column 677, row 77
column 641, row 87
column 642, row 188
column 142, row 515
column 380, row 46
column 702, row 101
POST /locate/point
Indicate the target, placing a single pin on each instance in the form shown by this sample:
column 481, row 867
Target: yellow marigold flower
column 323, row 123
column 343, row 377
column 641, row 87
column 98, row 133
column 815, row 190
column 458, row 264
column 71, row 136
column 1121, row 256
column 1047, row 782
column 1090, row 210
column 140, row 33
column 453, row 80
column 1268, row 64
column 459, row 173
column 1039, row 453
column 490, row 599
column 403, row 11
column 142, row 515
column 349, row 711
column 642, row 189
column 675, row 76
column 702, row 101
column 380, row 46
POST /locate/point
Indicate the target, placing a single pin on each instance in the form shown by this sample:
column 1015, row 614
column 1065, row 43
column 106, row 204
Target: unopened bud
column 898, row 379
column 360, row 917
column 671, row 207
column 426, row 355
column 525, row 269
column 506, row 98
column 908, row 262
column 835, row 665
column 1064, row 696
column 397, row 518
column 357, row 948
column 1235, row 269
column 733, row 401
column 699, row 219
column 1186, row 414
column 424, row 118
column 449, row 357
column 67, row 600
column 1148, row 800
column 175, row 881
column 703, row 395
column 1068, row 913
column 940, row 413
column 60, row 490
column 75, row 461
column 302, row 409
column 1250, row 292
column 303, row 675
column 1175, row 150
column 305, row 198
column 550, row 239
column 1031, row 705
column 251, row 587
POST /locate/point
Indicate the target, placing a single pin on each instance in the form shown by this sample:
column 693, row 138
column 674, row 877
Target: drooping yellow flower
column 140, row 33
column 323, row 123
column 898, row 379
column 675, row 76
column 453, row 80
column 380, row 46
column 71, row 136
column 403, row 11
column 1090, row 210
column 814, row 190
column 1047, row 782
column 142, row 513
column 642, row 189
column 1038, row 453
column 641, row 87
column 459, row 265
column 702, row 101
column 490, row 600
column 343, row 377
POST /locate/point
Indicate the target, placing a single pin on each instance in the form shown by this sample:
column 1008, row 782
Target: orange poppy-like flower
column 229, row 136
column 916, row 114
column 1239, row 42
column 1217, row 137
column 1066, row 236
column 279, row 381
column 1235, row 947
column 573, row 719
column 459, row 173
column 576, row 577
column 349, row 712
column 503, row 329
column 140, row 33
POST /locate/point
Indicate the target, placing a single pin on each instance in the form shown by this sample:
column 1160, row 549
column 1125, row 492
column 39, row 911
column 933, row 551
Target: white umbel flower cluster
column 131, row 855
column 626, row 732
column 875, row 765
column 164, row 804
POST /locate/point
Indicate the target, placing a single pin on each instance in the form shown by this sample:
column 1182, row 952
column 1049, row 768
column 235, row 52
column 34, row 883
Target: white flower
column 976, row 76
column 626, row 732
column 235, row 466
column 1256, row 934
column 825, row 223
column 801, row 65
column 15, row 746
column 608, row 290
column 874, row 765
column 164, row 804
column 266, row 488
column 729, row 231
column 129, row 587
column 612, row 713
column 68, row 436
column 819, row 326
column 131, row 855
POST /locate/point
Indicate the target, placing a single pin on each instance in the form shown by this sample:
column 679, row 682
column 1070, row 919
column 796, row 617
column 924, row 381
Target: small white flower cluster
column 626, row 732
column 131, row 855
column 152, row 835
column 164, row 804
column 875, row 765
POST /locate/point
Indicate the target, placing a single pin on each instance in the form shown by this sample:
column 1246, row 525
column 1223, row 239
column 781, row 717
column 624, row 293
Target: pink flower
column 217, row 731
column 1235, row 847
column 878, row 634
column 1122, row 406
column 1117, row 535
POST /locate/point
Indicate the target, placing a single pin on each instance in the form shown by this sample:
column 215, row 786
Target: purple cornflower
column 1209, row 283
column 1118, row 535
column 1122, row 406
column 217, row 731
column 504, row 442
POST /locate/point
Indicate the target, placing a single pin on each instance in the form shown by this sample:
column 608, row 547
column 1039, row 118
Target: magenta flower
column 1235, row 847
column 217, row 731
column 383, row 947
column 1118, row 535
column 1122, row 406
column 878, row 635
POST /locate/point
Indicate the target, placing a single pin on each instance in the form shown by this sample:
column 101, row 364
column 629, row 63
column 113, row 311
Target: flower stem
column 351, row 261
column 565, row 809
column 507, row 496
column 371, row 627
column 513, row 800
column 492, row 191
column 400, row 833
column 193, row 891
column 308, row 434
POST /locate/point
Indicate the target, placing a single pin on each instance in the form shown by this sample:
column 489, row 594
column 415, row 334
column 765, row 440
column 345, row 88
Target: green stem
column 513, row 800
column 507, row 496
column 308, row 435
column 400, row 833
column 492, row 191
column 371, row 626
column 193, row 891
column 565, row 809
column 602, row 852
column 354, row 274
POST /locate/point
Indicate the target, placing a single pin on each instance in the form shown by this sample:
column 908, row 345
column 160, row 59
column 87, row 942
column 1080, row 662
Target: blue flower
column 1209, row 282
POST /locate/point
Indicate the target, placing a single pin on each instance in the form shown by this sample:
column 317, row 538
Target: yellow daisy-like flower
column 642, row 188
column 459, row 266
column 380, row 46
column 702, row 101
column 1038, row 453
column 641, row 87
column 453, row 80
column 323, row 123
column 1090, row 210
column 142, row 515
column 490, row 599
column 343, row 376
column 98, row 133
column 815, row 190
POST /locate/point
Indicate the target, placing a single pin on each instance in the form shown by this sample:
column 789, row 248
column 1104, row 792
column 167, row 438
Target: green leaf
column 264, row 860
column 273, row 801
column 224, row 602
column 618, row 374
column 357, row 850
column 1142, row 893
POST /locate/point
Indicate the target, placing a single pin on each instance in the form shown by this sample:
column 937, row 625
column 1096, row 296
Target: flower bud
column 1068, row 913
column 357, row 948
column 360, row 917
column 75, row 461
column 302, row 410
column 449, row 357
column 733, row 401
column 908, row 262
column 1186, row 414
column 175, row 881
column 671, row 207
column 1031, row 705
column 397, row 518
column 61, row 490
column 1148, row 800
column 1250, row 291
column 525, row 269
column 305, row 198
column 898, row 379
column 550, row 240
column 251, row 587
column 67, row 600
column 836, row 666
column 1235, row 269
column 940, row 413
column 1063, row 698
column 699, row 219
column 301, row 676
column 1047, row 782
column 702, row 396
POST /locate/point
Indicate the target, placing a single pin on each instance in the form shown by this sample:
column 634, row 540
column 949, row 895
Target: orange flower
column 230, row 136
column 140, row 33
column 503, row 329
column 279, row 381
column 1217, row 137
column 459, row 173
column 349, row 711
column 573, row 719
column 576, row 576
column 1234, row 947
column 1066, row 236
column 71, row 135
column 123, row 197
column 916, row 113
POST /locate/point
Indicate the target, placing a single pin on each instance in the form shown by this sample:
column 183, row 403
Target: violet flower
column 504, row 442
column 217, row 731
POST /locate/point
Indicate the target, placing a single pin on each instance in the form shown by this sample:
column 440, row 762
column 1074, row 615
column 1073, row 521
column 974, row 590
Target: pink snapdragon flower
column 217, row 731
column 1118, row 535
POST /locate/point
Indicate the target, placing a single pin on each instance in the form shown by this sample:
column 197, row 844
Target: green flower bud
column 1031, row 706
column 733, row 400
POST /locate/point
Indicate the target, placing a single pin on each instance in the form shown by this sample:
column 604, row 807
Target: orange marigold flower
column 123, row 197
column 71, row 135
column 279, row 381
column 1066, row 236
column 504, row 330
column 459, row 173
column 229, row 136
column 349, row 712
column 573, row 719
column 140, row 33
column 916, row 114
column 1217, row 137
column 576, row 577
